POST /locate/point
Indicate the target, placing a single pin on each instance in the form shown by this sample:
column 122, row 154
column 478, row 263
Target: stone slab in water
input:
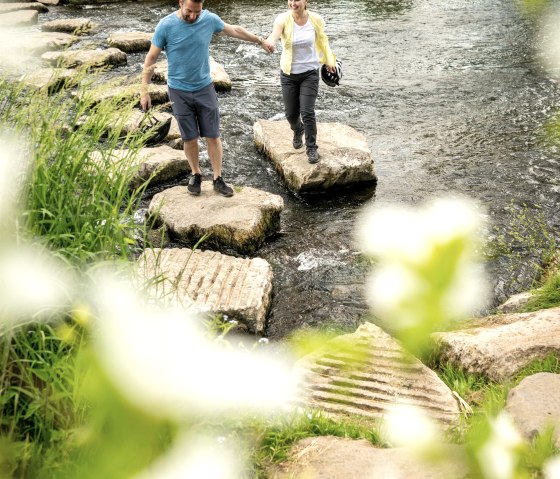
column 345, row 158
column 158, row 93
column 331, row 457
column 12, row 7
column 19, row 18
column 130, row 42
column 158, row 164
column 367, row 372
column 51, row 78
column 214, row 282
column 501, row 345
column 76, row 26
column 220, row 77
column 534, row 405
column 92, row 58
column 241, row 223
column 37, row 43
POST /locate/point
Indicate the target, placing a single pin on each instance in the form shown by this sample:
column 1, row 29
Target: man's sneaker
column 312, row 156
column 221, row 187
column 298, row 140
column 193, row 187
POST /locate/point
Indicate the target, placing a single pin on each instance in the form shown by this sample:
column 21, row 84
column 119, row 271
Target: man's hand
column 145, row 101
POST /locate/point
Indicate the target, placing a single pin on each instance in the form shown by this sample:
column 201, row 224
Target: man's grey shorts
column 196, row 112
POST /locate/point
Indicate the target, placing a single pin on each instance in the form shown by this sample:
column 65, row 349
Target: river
column 449, row 96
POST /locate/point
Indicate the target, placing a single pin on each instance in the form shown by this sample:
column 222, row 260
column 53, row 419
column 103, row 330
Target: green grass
column 82, row 209
column 547, row 296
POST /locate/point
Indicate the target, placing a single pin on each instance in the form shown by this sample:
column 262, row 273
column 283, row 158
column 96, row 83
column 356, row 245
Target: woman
column 305, row 47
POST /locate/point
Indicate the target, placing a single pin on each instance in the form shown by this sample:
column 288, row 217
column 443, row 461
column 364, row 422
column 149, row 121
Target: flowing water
column 449, row 97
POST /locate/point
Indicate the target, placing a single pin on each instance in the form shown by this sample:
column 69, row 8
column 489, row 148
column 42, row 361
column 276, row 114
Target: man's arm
column 147, row 73
column 237, row 31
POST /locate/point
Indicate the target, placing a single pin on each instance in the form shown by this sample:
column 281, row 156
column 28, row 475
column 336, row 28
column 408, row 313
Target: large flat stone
column 37, row 43
column 345, row 158
column 331, row 457
column 534, row 405
column 156, row 165
column 19, row 18
column 158, row 93
column 130, row 42
column 501, row 345
column 240, row 223
column 213, row 282
column 91, row 58
column 365, row 373
column 52, row 79
column 15, row 6
column 76, row 26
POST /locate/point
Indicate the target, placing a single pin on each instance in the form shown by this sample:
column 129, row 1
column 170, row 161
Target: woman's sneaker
column 312, row 156
column 221, row 187
column 297, row 142
column 193, row 186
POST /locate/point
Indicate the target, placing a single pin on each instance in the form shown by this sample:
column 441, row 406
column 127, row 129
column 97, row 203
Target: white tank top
column 304, row 56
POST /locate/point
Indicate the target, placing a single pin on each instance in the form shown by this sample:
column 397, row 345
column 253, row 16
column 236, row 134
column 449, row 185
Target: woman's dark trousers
column 299, row 91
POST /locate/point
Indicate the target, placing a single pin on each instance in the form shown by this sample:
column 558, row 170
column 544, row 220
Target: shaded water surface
column 447, row 94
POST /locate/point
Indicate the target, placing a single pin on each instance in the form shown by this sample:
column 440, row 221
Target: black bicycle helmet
column 156, row 129
column 332, row 79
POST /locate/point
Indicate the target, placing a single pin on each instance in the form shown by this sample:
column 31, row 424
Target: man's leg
column 215, row 153
column 190, row 148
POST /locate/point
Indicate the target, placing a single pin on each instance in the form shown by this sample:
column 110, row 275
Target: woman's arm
column 275, row 35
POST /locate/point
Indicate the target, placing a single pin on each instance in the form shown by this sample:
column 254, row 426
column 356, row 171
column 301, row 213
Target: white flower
column 498, row 457
column 551, row 468
column 392, row 231
column 409, row 426
column 13, row 171
column 33, row 285
column 198, row 458
column 164, row 363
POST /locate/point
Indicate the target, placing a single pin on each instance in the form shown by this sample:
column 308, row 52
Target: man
column 185, row 36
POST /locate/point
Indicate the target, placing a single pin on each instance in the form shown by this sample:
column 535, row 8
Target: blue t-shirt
column 187, row 46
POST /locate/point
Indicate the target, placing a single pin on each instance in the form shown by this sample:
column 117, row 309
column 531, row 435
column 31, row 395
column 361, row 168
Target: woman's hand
column 331, row 69
column 268, row 46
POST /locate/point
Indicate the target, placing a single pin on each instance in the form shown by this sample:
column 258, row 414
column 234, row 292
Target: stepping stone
column 51, row 78
column 220, row 78
column 332, row 457
column 240, row 223
column 76, row 26
column 20, row 18
column 515, row 303
column 91, row 58
column 213, row 282
column 12, row 7
column 51, row 2
column 158, row 164
column 131, row 42
column 500, row 346
column 37, row 43
column 365, row 373
column 345, row 158
column 534, row 405
column 158, row 93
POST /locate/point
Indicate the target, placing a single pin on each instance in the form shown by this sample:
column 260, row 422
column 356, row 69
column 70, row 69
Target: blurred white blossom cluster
column 160, row 360
column 33, row 283
column 426, row 270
